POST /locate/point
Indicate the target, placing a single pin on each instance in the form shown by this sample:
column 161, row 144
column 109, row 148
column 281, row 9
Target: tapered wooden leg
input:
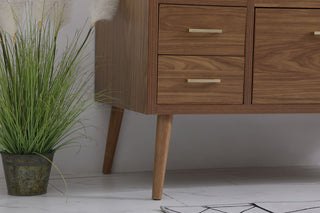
column 164, row 125
column 112, row 140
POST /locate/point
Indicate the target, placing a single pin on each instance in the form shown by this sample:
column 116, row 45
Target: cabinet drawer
column 287, row 56
column 202, row 30
column 200, row 80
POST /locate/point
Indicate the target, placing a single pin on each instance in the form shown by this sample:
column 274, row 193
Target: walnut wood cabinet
column 169, row 57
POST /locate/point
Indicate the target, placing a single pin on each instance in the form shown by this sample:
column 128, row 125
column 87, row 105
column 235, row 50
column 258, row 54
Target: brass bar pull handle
column 213, row 31
column 204, row 80
column 316, row 33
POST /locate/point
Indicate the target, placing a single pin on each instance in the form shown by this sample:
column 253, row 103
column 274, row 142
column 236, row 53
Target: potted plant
column 42, row 93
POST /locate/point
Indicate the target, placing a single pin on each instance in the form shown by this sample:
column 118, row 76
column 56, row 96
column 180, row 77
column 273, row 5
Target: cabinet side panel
column 122, row 57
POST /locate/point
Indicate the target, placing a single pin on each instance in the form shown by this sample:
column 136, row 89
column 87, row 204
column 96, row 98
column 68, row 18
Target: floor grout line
column 75, row 177
column 167, row 195
column 56, row 188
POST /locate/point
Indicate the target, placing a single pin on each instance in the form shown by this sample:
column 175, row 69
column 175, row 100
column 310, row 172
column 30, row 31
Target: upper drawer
column 202, row 30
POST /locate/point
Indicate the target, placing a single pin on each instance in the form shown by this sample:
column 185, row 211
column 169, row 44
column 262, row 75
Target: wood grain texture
column 249, row 53
column 173, row 72
column 112, row 139
column 116, row 54
column 286, row 61
column 175, row 20
column 122, row 56
column 164, row 125
column 206, row 2
column 288, row 3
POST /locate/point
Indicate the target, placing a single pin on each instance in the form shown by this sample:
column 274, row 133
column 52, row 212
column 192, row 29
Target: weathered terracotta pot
column 26, row 175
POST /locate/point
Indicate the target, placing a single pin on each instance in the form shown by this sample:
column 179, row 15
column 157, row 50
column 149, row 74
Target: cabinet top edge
column 244, row 3
column 288, row 3
column 235, row 3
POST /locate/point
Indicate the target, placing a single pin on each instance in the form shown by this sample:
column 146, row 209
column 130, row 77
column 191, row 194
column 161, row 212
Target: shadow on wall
column 217, row 141
column 221, row 141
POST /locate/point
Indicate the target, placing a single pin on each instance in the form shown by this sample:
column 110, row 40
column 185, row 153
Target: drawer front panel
column 287, row 56
column 202, row 30
column 200, row 80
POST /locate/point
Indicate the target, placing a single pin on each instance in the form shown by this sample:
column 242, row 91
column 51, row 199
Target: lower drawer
column 200, row 80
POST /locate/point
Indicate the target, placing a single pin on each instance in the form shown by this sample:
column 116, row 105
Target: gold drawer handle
column 316, row 33
column 213, row 31
column 204, row 80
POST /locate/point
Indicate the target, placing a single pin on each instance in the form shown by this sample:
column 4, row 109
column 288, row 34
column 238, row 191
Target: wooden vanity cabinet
column 169, row 57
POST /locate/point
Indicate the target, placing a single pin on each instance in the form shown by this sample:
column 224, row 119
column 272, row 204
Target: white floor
column 124, row 193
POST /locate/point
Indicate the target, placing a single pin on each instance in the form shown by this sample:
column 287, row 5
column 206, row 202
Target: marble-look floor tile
column 107, row 194
column 247, row 186
column 126, row 193
column 106, row 184
column 83, row 204
column 276, row 207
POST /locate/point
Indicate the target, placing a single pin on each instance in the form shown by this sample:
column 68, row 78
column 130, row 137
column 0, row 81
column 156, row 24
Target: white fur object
column 103, row 10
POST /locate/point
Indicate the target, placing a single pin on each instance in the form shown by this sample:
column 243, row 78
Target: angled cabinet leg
column 164, row 125
column 112, row 140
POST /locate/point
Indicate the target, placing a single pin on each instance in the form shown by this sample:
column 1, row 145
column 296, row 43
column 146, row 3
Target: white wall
column 198, row 141
column 204, row 141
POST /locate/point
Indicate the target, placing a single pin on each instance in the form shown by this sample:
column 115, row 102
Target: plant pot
column 26, row 175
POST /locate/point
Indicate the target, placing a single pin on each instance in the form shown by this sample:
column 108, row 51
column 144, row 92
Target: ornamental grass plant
column 42, row 93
